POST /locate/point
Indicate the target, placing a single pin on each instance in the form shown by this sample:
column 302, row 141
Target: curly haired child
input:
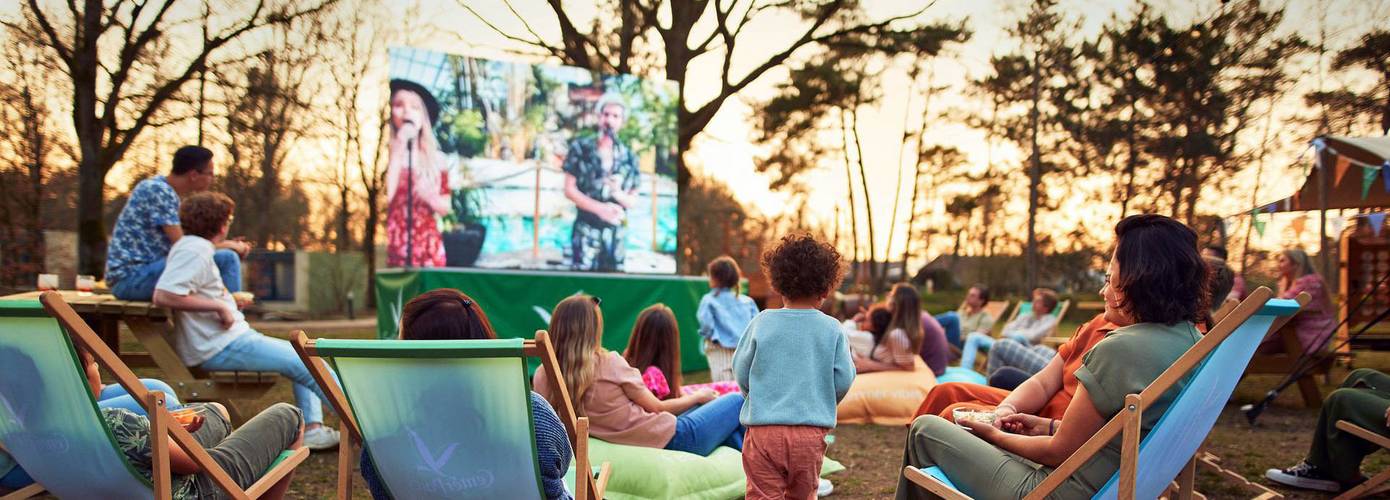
column 787, row 422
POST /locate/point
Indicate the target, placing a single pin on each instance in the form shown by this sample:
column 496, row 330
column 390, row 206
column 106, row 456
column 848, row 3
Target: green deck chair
column 52, row 426
column 443, row 418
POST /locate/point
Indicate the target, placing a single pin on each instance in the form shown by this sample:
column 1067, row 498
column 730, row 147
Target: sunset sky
column 727, row 151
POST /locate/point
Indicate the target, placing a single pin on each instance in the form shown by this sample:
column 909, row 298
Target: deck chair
column 1168, row 451
column 1026, row 307
column 55, row 431
column 412, row 402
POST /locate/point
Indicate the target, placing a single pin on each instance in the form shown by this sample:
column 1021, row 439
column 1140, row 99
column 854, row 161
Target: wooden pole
column 536, row 217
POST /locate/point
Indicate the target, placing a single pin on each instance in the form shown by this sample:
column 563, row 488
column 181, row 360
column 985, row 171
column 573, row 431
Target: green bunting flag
column 1368, row 177
column 1259, row 224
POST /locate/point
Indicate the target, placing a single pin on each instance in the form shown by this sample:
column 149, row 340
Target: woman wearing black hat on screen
column 415, row 240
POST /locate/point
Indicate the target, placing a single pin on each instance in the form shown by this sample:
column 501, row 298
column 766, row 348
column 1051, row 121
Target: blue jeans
column 974, row 343
column 702, row 429
column 950, row 321
column 112, row 396
column 140, row 285
column 115, row 396
column 255, row 352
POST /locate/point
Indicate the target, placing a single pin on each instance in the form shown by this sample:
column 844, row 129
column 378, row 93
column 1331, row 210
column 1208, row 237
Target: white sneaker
column 321, row 438
column 824, row 488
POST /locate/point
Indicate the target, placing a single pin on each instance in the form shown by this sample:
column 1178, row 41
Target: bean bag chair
column 640, row 472
column 958, row 374
column 886, row 398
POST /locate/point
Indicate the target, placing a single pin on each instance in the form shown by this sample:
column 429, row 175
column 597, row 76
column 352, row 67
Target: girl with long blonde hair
column 604, row 387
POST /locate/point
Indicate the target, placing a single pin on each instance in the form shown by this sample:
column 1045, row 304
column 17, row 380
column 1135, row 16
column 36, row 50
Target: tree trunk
column 1034, row 181
column 875, row 270
column 849, row 188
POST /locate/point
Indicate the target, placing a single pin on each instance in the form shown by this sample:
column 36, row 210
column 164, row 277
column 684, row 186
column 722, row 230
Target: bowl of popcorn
column 244, row 297
column 963, row 414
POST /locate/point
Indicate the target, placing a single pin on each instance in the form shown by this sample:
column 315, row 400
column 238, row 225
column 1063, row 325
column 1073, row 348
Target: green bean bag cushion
column 640, row 473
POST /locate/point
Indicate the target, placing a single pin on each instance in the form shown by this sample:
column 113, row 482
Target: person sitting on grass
column 1026, row 329
column 449, row 314
column 654, row 349
column 1333, row 462
column 1156, row 291
column 245, row 454
column 210, row 332
column 620, row 407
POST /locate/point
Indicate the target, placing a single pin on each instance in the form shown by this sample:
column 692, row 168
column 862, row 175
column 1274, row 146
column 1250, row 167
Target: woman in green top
column 1156, row 291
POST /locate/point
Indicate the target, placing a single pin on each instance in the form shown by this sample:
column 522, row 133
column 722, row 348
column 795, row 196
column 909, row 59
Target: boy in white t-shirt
column 210, row 331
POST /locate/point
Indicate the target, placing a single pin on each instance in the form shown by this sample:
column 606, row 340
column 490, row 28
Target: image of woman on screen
column 601, row 179
column 413, row 238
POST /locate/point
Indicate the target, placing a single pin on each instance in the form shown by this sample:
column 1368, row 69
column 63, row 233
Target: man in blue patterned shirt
column 149, row 225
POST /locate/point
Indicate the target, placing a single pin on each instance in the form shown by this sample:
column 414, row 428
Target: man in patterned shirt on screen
column 601, row 179
column 149, row 225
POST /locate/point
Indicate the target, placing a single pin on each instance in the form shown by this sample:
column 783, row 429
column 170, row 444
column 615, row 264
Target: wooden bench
column 153, row 326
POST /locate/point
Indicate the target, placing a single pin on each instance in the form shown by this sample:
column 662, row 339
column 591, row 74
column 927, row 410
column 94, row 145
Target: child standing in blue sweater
column 723, row 315
column 793, row 366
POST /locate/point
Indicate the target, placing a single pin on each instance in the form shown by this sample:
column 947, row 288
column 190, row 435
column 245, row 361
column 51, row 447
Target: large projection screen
column 506, row 165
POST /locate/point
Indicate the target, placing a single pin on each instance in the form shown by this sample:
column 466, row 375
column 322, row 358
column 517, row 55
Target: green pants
column 1361, row 400
column 978, row 468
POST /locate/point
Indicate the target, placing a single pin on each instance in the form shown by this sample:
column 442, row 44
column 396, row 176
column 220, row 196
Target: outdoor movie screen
column 506, row 165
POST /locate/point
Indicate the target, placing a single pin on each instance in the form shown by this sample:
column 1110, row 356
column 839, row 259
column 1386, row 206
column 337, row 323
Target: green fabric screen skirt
column 519, row 302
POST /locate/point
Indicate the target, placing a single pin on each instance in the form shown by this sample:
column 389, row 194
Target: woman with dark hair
column 1155, row 291
column 1314, row 323
column 448, row 314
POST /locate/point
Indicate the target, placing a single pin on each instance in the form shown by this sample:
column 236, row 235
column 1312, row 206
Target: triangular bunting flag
column 1272, row 207
column 1368, row 177
column 1259, row 224
column 1298, row 194
column 1299, row 225
column 1377, row 220
column 1386, row 170
column 1343, row 163
column 1336, row 224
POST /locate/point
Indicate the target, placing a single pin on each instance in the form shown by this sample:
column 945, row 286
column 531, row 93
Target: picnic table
column 152, row 326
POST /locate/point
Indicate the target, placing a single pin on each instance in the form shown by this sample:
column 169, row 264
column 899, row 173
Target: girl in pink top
column 620, row 407
column 1315, row 321
column 654, row 349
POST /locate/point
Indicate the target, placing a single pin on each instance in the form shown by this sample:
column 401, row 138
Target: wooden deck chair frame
column 1127, row 424
column 84, row 337
column 1371, row 486
column 586, row 485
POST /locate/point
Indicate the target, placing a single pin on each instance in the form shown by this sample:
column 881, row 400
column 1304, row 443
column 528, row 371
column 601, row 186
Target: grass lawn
column 873, row 454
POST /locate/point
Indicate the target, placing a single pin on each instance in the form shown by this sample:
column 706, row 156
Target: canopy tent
column 1351, row 172
column 1349, row 162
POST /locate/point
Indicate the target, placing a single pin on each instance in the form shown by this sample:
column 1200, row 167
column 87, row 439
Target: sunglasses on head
column 597, row 301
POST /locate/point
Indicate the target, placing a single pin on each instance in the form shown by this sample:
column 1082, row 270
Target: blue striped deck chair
column 52, row 426
column 444, row 418
column 1168, row 451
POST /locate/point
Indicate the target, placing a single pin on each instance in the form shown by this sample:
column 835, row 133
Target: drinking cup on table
column 85, row 283
column 48, row 282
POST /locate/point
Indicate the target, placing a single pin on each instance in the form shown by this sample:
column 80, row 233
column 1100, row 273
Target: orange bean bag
column 886, row 398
